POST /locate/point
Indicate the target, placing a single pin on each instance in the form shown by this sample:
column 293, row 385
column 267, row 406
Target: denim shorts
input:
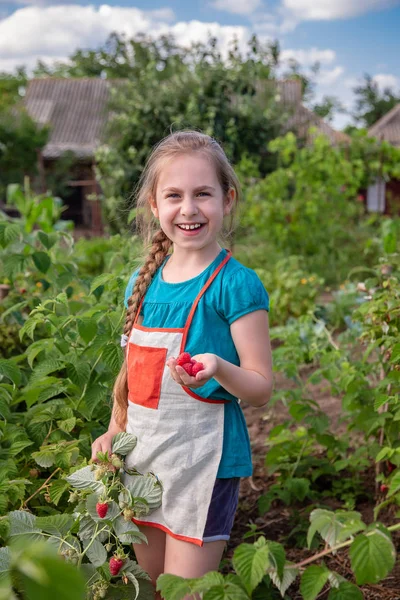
column 221, row 513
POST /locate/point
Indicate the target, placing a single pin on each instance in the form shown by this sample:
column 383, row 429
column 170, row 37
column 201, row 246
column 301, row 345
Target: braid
column 157, row 253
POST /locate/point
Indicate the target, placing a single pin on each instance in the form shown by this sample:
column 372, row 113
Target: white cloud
column 55, row 32
column 237, row 7
column 387, row 81
column 316, row 10
column 328, row 77
column 309, row 56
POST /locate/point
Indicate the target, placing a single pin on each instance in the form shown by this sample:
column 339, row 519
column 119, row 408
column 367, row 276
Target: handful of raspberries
column 191, row 366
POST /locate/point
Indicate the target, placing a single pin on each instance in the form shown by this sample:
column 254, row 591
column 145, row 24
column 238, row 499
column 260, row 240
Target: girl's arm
column 253, row 380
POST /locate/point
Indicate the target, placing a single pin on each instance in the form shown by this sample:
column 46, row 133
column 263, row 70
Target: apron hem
column 183, row 538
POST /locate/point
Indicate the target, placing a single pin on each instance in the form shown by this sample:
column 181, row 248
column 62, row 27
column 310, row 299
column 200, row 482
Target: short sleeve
column 243, row 293
column 129, row 287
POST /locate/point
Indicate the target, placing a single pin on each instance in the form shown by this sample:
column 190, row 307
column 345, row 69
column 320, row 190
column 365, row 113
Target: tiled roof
column 76, row 110
column 303, row 118
column 388, row 127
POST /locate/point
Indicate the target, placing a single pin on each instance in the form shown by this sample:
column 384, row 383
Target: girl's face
column 190, row 203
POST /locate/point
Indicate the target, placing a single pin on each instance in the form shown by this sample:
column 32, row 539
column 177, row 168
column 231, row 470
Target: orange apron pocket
column 145, row 373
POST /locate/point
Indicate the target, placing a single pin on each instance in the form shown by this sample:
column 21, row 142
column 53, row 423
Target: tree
column 20, row 140
column 372, row 103
column 231, row 99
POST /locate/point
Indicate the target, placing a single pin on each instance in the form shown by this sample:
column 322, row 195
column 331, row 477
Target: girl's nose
column 189, row 207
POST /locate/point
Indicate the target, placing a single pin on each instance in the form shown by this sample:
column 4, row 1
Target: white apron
column 179, row 434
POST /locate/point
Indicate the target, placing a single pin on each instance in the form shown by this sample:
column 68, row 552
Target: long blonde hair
column 175, row 144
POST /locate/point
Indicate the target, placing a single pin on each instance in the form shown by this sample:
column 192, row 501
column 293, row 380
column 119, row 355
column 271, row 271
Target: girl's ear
column 229, row 201
column 153, row 207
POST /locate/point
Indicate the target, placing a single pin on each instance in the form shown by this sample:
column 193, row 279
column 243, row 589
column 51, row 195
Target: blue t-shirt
column 236, row 291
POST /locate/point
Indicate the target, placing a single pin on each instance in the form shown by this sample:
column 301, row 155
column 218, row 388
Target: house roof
column 388, row 127
column 303, row 118
column 76, row 110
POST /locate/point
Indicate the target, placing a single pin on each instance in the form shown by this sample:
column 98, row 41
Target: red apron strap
column 138, row 311
column 201, row 293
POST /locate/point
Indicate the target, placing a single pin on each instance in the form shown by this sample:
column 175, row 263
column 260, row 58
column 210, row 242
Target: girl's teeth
column 190, row 226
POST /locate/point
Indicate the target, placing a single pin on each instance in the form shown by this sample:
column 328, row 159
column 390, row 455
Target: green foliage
column 84, row 537
column 309, row 205
column 371, row 103
column 232, row 100
column 20, row 139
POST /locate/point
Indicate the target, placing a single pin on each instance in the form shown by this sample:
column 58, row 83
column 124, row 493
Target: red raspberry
column 390, row 466
column 384, row 488
column 183, row 359
column 188, row 368
column 101, row 509
column 115, row 565
column 196, row 368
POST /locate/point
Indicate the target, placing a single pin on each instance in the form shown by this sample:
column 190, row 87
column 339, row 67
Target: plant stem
column 39, row 489
column 334, row 548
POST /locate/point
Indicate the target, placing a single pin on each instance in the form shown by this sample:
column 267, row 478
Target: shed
column 76, row 110
column 384, row 196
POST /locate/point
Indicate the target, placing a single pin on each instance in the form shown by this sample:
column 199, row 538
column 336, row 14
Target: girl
column 190, row 296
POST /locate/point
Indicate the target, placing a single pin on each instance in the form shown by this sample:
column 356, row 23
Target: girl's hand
column 210, row 362
column 102, row 444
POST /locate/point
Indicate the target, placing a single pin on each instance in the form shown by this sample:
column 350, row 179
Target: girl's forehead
column 187, row 170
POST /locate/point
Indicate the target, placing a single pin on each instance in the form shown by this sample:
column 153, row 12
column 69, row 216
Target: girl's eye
column 204, row 193
column 173, row 195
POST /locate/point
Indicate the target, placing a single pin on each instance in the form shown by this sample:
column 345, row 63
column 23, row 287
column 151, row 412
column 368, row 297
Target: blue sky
column 348, row 37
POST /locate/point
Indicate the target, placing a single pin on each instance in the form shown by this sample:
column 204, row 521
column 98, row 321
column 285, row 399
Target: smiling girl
column 191, row 296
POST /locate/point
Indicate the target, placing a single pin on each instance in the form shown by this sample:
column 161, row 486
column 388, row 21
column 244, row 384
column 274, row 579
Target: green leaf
column 123, row 443
column 173, row 587
column 394, row 486
column 283, row 583
column 226, row 591
column 251, row 562
column 67, row 425
column 42, row 261
column 101, row 280
column 12, row 233
column 112, row 357
column 135, row 583
column 18, row 446
column 87, row 328
column 10, row 370
column 130, row 566
column 313, row 580
column 57, row 489
column 334, row 527
column 145, row 486
column 277, row 557
column 23, row 523
column 5, row 560
column 58, row 525
column 95, row 552
column 48, row 239
column 44, row 576
column 298, row 487
column 127, row 532
column 84, row 479
column 372, row 556
column 44, row 458
column 78, row 372
column 346, row 591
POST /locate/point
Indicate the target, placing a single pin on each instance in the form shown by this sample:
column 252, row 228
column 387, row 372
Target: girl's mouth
column 190, row 228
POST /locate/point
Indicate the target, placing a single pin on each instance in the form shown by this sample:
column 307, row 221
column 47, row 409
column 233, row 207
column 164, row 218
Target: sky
column 349, row 38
